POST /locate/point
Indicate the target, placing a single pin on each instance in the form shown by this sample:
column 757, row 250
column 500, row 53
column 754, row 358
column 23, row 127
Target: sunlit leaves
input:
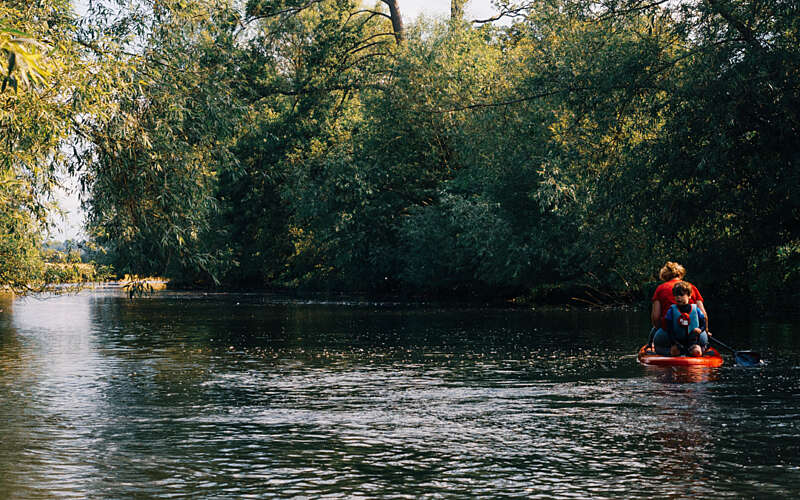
column 295, row 141
column 21, row 59
column 39, row 68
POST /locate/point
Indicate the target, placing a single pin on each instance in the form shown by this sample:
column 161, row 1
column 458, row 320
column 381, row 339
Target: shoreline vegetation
column 559, row 153
column 577, row 297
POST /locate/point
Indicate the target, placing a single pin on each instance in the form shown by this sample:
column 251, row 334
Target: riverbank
column 580, row 296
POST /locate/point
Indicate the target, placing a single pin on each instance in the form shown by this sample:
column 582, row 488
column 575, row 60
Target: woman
column 671, row 273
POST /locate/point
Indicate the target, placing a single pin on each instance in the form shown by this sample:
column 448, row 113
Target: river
column 191, row 395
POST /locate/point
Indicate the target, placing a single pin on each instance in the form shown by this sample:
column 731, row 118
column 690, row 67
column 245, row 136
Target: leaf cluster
column 309, row 143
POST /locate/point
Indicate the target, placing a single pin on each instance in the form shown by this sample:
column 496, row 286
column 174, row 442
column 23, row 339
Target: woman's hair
column 682, row 288
column 671, row 270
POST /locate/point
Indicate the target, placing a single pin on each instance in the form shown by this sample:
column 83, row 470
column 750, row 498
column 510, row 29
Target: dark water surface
column 251, row 396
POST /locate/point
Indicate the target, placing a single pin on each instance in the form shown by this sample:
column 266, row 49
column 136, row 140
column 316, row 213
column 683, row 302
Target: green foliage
column 20, row 261
column 154, row 162
column 192, row 169
column 775, row 270
column 138, row 287
column 305, row 143
column 721, row 166
column 20, row 57
column 74, row 273
column 43, row 93
column 469, row 158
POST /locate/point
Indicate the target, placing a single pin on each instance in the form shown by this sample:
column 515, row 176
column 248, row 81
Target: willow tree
column 727, row 154
column 48, row 84
column 301, row 141
column 152, row 164
column 188, row 175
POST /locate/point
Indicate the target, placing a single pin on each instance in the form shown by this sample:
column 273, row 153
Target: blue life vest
column 683, row 323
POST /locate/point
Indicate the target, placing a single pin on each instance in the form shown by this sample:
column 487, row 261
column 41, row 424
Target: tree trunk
column 397, row 19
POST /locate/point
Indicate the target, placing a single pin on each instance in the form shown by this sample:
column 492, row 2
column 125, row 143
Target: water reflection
column 54, row 388
column 237, row 396
column 681, row 436
column 683, row 374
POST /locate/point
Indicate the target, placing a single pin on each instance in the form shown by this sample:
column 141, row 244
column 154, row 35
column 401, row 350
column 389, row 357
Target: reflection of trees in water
column 16, row 379
column 683, row 436
column 51, row 391
column 684, row 374
column 6, row 301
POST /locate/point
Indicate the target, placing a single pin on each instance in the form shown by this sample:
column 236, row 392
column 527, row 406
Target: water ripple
column 128, row 400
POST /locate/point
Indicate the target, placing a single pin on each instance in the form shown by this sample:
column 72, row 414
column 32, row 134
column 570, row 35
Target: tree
column 680, row 127
column 324, row 143
column 221, row 109
column 21, row 61
column 152, row 166
column 47, row 85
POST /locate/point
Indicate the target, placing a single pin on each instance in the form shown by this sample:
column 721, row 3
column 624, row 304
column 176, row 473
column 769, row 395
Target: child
column 671, row 273
column 683, row 330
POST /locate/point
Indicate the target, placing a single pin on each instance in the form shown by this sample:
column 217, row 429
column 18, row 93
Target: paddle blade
column 747, row 358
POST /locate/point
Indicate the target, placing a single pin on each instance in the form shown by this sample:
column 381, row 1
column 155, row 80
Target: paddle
column 651, row 337
column 743, row 358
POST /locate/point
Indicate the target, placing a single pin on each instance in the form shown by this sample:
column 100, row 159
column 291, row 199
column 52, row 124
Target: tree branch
column 637, row 7
column 738, row 25
column 289, row 10
column 369, row 11
column 360, row 45
column 510, row 13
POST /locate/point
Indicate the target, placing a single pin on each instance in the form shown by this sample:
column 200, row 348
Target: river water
column 254, row 396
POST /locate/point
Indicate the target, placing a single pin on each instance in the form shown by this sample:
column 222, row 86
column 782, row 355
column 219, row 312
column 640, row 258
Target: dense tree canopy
column 48, row 85
column 575, row 145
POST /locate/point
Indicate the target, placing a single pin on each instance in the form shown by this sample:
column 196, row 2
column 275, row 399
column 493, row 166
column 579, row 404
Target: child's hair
column 682, row 288
column 671, row 270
